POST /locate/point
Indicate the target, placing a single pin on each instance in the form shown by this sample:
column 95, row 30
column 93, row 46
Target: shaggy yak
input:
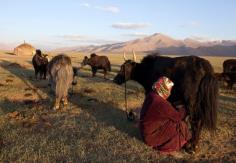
column 195, row 85
column 229, row 73
column 40, row 64
column 229, row 65
column 97, row 62
column 227, row 77
column 60, row 78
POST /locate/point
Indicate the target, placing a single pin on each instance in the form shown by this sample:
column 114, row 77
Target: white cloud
column 86, row 39
column 137, row 34
column 130, row 25
column 85, row 5
column 112, row 9
column 203, row 39
column 74, row 37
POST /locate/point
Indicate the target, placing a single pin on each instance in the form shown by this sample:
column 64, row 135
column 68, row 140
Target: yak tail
column 207, row 101
column 64, row 79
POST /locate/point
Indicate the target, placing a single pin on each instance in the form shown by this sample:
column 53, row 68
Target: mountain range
column 165, row 45
column 158, row 43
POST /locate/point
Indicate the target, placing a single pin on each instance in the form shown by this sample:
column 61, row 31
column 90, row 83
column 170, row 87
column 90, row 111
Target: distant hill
column 5, row 46
column 165, row 45
column 216, row 50
column 158, row 43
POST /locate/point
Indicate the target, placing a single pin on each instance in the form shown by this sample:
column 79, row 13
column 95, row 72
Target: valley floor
column 94, row 128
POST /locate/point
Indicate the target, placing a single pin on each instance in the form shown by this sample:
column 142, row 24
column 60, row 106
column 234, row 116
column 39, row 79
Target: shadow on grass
column 9, row 53
column 26, row 75
column 86, row 73
column 106, row 113
column 228, row 98
column 7, row 105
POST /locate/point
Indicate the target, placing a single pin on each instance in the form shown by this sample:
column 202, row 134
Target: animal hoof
column 130, row 116
column 74, row 83
column 190, row 148
column 55, row 108
column 66, row 108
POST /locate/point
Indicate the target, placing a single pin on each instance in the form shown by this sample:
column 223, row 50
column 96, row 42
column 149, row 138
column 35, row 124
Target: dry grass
column 94, row 129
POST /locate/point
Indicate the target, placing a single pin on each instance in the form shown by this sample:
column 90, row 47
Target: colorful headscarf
column 163, row 87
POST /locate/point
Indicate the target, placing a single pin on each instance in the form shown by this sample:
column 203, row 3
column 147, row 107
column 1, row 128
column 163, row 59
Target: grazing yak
column 228, row 77
column 195, row 85
column 60, row 78
column 40, row 64
column 229, row 65
column 97, row 62
column 229, row 73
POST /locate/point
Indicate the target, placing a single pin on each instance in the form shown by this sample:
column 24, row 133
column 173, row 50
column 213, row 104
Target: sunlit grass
column 94, row 129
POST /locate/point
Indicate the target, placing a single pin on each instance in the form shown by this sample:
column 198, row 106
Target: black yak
column 195, row 85
column 60, row 78
column 228, row 77
column 229, row 65
column 40, row 64
column 97, row 62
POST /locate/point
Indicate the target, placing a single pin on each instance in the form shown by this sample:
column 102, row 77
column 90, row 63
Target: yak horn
column 134, row 57
column 124, row 56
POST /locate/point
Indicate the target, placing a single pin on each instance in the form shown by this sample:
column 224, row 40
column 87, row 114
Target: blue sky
column 60, row 23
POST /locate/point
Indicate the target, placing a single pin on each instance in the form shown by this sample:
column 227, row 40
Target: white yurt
column 24, row 49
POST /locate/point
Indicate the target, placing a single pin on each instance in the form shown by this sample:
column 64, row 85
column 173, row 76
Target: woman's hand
column 180, row 107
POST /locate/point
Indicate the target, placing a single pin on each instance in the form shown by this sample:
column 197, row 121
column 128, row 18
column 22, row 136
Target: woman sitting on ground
column 161, row 125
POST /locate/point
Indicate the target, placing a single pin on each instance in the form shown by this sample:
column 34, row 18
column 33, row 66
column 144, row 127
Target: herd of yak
column 196, row 84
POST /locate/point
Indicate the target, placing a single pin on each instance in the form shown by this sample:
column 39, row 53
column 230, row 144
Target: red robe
column 161, row 125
